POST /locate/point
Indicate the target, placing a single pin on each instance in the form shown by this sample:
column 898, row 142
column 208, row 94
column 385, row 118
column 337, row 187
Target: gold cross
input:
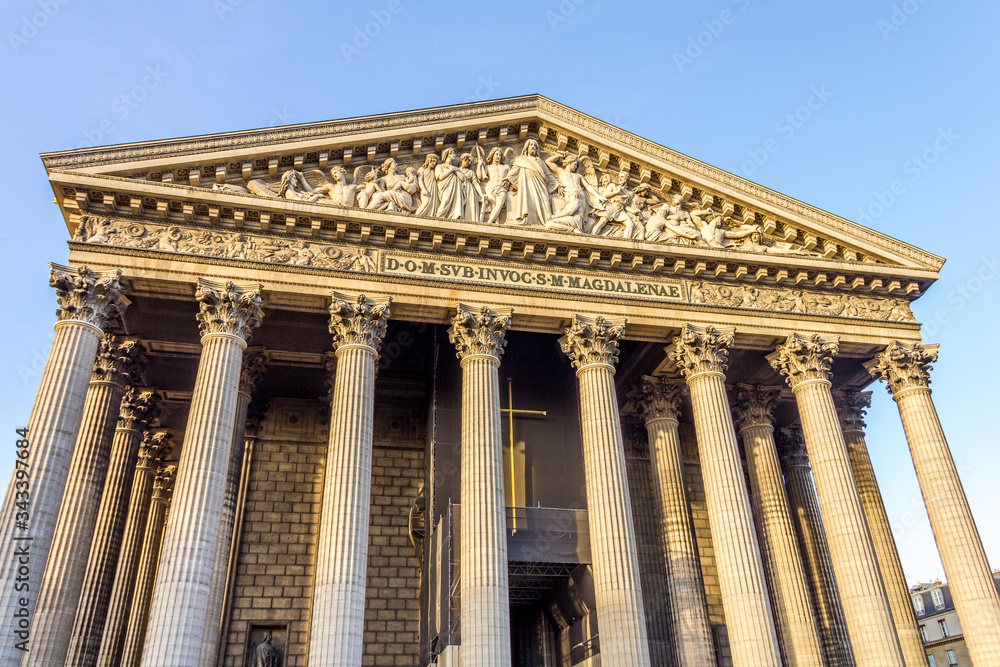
column 510, row 412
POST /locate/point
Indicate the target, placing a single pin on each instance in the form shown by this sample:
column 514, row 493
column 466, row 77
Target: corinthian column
column 659, row 402
column 754, row 412
column 252, row 371
column 805, row 363
column 358, row 325
column 851, row 410
column 701, row 355
column 179, row 611
column 154, row 448
column 138, row 409
column 87, row 301
column 905, row 368
column 118, row 364
column 485, row 613
column 138, row 615
column 814, row 549
column 592, row 345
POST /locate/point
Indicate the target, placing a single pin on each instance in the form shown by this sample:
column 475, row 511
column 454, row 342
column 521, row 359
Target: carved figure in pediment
column 428, row 187
column 336, row 191
column 231, row 189
column 532, row 184
column 578, row 192
column 450, row 186
column 294, row 185
column 497, row 186
column 670, row 222
column 396, row 190
column 369, row 189
column 473, row 192
column 619, row 207
column 756, row 242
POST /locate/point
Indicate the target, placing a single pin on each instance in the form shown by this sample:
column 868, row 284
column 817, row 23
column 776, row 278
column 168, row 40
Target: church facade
column 481, row 385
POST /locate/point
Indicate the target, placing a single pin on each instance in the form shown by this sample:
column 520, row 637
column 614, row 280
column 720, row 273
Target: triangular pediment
column 538, row 179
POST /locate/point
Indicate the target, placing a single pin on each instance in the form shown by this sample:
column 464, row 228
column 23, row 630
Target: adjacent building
column 938, row 623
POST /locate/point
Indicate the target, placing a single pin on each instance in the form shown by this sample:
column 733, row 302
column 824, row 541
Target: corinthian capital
column 256, row 412
column 138, row 409
column 479, row 334
column 163, row 482
column 801, row 358
column 699, row 350
column 657, row 398
column 119, row 360
column 851, row 408
column 593, row 341
column 356, row 320
column 753, row 405
column 904, row 365
column 156, row 446
column 791, row 447
column 228, row 308
column 254, row 366
column 92, row 297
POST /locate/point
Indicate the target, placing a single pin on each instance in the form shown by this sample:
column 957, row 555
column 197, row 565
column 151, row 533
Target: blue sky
column 882, row 112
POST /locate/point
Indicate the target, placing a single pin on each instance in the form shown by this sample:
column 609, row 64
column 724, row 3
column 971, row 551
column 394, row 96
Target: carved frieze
column 224, row 244
column 800, row 301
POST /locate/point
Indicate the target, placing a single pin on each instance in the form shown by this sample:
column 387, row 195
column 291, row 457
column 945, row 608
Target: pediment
column 529, row 178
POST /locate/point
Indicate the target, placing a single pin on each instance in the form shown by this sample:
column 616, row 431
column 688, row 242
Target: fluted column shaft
column 335, row 638
column 138, row 609
column 592, row 344
column 67, row 564
column 213, row 629
column 87, row 301
column 485, row 605
column 701, row 355
column 866, row 608
column 690, row 629
column 155, row 447
column 60, row 591
column 783, row 564
column 88, row 626
column 906, row 369
column 893, row 579
column 179, row 610
column 816, row 556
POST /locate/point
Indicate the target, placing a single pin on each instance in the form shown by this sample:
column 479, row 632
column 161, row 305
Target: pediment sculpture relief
column 559, row 191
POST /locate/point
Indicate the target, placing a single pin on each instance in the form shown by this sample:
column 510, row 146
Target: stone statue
column 337, row 191
column 473, row 193
column 450, row 183
column 577, row 192
column 496, row 168
column 619, row 207
column 533, row 184
column 428, row 187
column 396, row 190
column 370, row 188
column 265, row 655
column 294, row 185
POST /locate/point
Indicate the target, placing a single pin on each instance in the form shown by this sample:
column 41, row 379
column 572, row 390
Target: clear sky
column 882, row 111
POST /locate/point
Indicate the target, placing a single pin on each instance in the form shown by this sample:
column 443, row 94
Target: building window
column 918, row 604
column 944, row 628
column 930, row 658
column 938, row 598
column 952, row 660
column 923, row 633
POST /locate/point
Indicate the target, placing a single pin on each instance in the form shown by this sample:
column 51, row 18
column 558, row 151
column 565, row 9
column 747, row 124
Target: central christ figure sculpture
column 532, row 183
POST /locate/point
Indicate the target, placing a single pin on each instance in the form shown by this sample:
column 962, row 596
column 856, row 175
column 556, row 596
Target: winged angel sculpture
column 560, row 191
